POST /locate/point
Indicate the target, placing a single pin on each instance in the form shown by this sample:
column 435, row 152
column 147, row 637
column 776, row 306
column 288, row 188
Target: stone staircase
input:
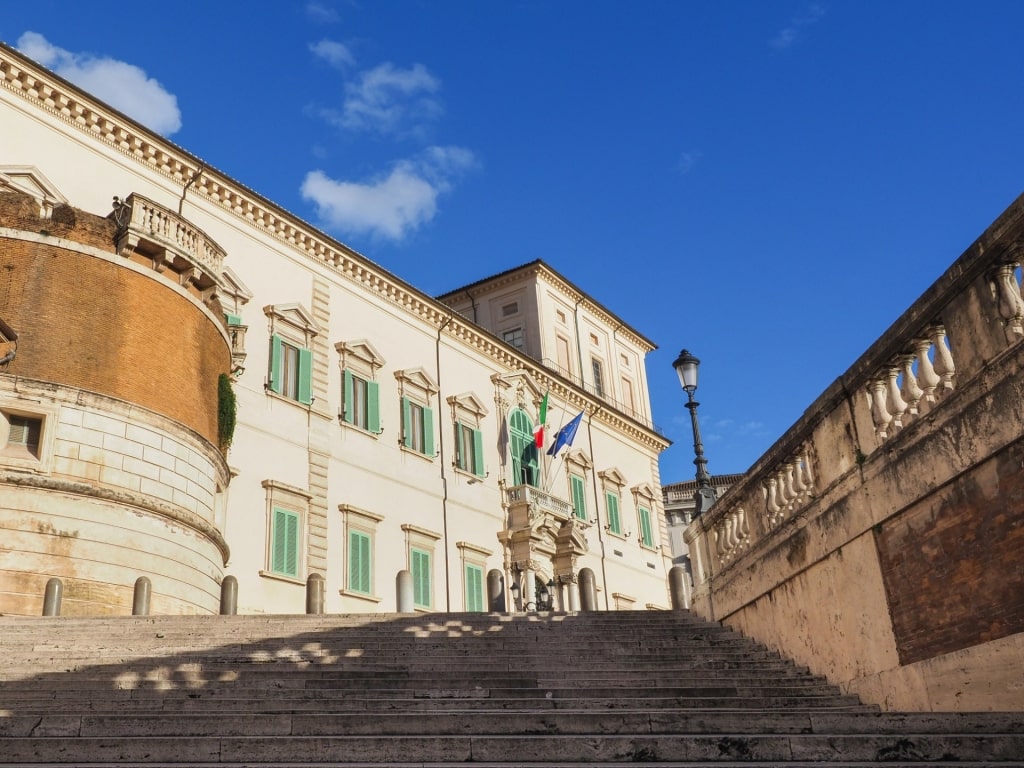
column 605, row 688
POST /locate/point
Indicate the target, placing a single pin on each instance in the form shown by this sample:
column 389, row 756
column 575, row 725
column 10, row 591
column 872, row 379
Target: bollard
column 677, row 587
column 229, row 596
column 588, row 590
column 52, row 596
column 403, row 592
column 315, row 594
column 495, row 590
column 140, row 599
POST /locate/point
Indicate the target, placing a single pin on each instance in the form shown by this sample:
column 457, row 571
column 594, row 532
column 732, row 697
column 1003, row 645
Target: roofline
column 542, row 266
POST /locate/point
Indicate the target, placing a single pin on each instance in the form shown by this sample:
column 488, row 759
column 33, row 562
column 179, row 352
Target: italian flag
column 538, row 431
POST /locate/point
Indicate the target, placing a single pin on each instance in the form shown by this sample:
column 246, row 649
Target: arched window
column 524, row 449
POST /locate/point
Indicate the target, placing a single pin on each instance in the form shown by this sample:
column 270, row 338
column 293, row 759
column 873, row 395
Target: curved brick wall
column 111, row 327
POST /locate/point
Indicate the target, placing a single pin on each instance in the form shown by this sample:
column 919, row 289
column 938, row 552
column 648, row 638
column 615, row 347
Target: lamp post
column 686, row 367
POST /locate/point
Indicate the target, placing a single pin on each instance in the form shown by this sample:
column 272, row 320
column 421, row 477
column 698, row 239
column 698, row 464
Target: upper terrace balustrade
column 883, row 529
column 168, row 239
column 526, row 503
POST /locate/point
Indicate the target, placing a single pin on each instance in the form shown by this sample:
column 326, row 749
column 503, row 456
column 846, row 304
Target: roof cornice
column 53, row 94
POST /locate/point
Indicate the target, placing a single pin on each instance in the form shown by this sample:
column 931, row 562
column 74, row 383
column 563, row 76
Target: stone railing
column 538, row 502
column 167, row 238
column 828, row 546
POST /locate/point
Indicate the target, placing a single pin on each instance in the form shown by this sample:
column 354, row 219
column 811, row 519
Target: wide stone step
column 525, row 749
column 472, row 721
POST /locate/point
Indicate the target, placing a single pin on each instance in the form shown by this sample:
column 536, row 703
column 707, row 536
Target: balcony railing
column 526, row 496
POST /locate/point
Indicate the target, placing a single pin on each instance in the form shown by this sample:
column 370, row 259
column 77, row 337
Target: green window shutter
column 579, row 497
column 460, row 459
column 359, row 565
column 232, row 319
column 284, row 542
column 478, row 453
column 645, row 527
column 428, row 431
column 406, row 423
column 348, row 397
column 420, row 578
column 305, row 376
column 276, row 367
column 373, row 407
column 474, row 588
column 613, row 513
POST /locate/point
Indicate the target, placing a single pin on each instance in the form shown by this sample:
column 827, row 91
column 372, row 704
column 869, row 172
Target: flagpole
column 547, row 485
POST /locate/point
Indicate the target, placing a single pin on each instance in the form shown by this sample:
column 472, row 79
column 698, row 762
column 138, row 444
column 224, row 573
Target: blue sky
column 769, row 184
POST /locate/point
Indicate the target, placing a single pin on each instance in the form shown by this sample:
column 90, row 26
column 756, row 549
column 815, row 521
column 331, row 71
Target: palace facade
column 195, row 384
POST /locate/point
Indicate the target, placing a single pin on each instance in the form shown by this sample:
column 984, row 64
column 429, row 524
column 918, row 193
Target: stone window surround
column 475, row 555
column 613, row 481
column 362, row 359
column 578, row 463
column 467, row 410
column 295, row 325
column 291, row 499
column 425, row 540
column 417, row 386
column 16, row 458
column 355, row 519
column 644, row 496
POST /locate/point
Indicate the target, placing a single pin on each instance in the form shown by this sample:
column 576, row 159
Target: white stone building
column 379, row 429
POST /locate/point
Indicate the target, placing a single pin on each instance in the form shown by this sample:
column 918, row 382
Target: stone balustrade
column 837, row 546
column 538, row 502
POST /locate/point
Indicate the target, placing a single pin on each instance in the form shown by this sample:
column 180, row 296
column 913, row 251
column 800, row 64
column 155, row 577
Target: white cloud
column 122, row 85
column 687, row 160
column 388, row 99
column 791, row 33
column 334, row 53
column 392, row 205
column 321, row 13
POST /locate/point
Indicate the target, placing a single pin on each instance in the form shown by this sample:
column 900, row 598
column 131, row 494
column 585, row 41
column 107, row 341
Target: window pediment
column 577, row 457
column 294, row 315
column 643, row 491
column 29, row 180
column 612, row 477
column 235, row 288
column 416, row 379
column 467, row 402
column 518, row 389
column 359, row 352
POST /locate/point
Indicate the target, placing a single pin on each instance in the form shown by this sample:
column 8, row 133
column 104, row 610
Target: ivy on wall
column 227, row 411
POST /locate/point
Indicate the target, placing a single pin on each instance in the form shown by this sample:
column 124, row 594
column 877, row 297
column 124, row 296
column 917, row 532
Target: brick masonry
column 101, row 326
column 952, row 565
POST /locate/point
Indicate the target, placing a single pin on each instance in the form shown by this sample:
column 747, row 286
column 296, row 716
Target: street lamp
column 686, row 367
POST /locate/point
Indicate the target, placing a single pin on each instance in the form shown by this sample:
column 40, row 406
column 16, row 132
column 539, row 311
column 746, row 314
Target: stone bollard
column 495, row 590
column 403, row 592
column 52, row 597
column 677, row 577
column 315, row 594
column 140, row 599
column 229, row 596
column 588, row 590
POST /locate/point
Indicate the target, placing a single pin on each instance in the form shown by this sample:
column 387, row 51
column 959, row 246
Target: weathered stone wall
column 879, row 540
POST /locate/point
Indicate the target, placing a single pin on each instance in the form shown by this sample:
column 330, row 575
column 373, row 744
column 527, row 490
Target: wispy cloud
column 391, row 205
column 120, row 84
column 322, row 14
column 334, row 53
column 687, row 160
column 791, row 33
column 388, row 100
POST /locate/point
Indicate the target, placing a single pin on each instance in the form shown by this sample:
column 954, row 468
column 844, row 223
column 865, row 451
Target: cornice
column 55, row 96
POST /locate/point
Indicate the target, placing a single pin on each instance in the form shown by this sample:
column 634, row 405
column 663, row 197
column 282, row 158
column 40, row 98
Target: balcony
column 527, row 503
column 154, row 232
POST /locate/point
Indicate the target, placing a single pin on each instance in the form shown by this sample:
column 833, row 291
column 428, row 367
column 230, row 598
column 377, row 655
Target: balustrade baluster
column 944, row 366
column 895, row 403
column 1011, row 305
column 910, row 391
column 879, row 413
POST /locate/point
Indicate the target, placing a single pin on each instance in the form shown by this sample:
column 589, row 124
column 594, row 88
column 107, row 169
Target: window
column 474, row 566
column 646, row 532
column 523, row 447
column 284, row 543
column 579, row 496
column 287, row 508
column 598, row 373
column 612, row 506
column 23, row 435
column 360, row 566
column 627, row 397
column 474, row 588
column 419, row 562
column 416, row 391
column 469, row 449
column 510, row 309
column 467, row 412
column 361, row 402
column 360, row 391
column 417, row 427
column 513, row 336
column 360, row 530
column 562, row 350
column 291, row 358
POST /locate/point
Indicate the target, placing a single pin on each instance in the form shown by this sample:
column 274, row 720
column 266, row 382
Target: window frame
column 474, row 557
column 359, row 363
column 522, row 442
column 416, row 391
column 361, row 523
column 290, row 376
column 424, row 542
column 467, row 414
column 19, row 455
column 283, row 499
